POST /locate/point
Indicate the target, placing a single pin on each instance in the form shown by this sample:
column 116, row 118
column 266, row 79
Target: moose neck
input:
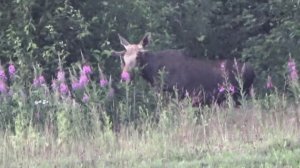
column 147, row 63
column 152, row 62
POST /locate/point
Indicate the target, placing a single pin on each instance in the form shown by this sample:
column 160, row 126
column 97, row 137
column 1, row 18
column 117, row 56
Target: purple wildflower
column 223, row 69
column 75, row 85
column 61, row 76
column 231, row 88
column 63, row 88
column 221, row 88
column 54, row 84
column 11, row 69
column 83, row 79
column 294, row 76
column 222, row 65
column 41, row 79
column 103, row 82
column 38, row 81
column 85, row 98
column 2, row 74
column 125, row 76
column 291, row 64
column 86, row 69
column 292, row 70
column 3, row 87
column 269, row 84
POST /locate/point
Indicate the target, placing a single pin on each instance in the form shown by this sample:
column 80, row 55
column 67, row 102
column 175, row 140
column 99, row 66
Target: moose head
column 130, row 55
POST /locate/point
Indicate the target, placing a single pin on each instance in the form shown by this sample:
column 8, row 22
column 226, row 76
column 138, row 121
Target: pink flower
column 125, row 76
column 3, row 87
column 76, row 85
column 231, row 88
column 38, row 81
column 54, row 84
column 291, row 64
column 61, row 76
column 223, row 69
column 222, row 65
column 83, row 79
column 269, row 84
column 41, row 79
column 2, row 74
column 221, row 88
column 11, row 69
column 293, row 74
column 103, row 82
column 86, row 69
column 63, row 88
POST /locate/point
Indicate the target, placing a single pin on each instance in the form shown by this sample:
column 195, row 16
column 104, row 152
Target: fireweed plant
column 82, row 99
column 279, row 101
column 293, row 79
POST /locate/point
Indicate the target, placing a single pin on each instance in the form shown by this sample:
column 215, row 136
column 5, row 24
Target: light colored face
column 130, row 56
column 131, row 52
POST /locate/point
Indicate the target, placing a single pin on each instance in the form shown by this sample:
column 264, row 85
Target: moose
column 205, row 81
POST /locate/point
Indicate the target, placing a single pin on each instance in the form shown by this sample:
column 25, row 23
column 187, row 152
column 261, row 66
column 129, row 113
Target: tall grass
column 45, row 127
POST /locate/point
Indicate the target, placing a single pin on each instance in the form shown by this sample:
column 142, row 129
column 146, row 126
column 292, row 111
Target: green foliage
column 262, row 32
column 270, row 51
column 41, row 36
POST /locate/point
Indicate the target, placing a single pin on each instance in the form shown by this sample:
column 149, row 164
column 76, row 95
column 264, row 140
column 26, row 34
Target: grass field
column 91, row 126
column 249, row 136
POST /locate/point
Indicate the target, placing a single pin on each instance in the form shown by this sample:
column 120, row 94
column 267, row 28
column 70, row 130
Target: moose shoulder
column 204, row 81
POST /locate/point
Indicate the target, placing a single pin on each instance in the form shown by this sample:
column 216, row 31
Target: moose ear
column 117, row 53
column 123, row 41
column 145, row 40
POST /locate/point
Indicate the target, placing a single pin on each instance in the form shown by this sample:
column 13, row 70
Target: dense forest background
column 38, row 32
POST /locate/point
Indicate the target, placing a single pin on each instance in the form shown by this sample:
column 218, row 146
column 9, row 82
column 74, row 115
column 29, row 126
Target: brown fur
column 200, row 79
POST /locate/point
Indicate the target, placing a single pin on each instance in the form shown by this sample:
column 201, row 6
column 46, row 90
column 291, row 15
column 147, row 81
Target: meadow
column 62, row 103
column 83, row 124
